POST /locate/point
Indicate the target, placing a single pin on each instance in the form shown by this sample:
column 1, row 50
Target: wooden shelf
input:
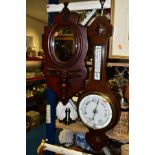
column 111, row 64
column 79, row 127
column 111, row 135
column 75, row 127
column 121, row 64
column 35, row 59
column 35, row 78
column 31, row 104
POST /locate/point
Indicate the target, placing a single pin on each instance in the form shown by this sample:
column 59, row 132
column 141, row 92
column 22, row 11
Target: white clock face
column 95, row 111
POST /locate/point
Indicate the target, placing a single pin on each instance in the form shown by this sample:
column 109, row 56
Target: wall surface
column 35, row 29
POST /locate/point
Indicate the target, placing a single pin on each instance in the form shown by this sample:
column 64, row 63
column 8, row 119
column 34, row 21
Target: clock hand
column 95, row 111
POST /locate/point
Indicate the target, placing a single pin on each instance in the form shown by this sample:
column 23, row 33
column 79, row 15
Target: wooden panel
column 119, row 43
column 65, row 76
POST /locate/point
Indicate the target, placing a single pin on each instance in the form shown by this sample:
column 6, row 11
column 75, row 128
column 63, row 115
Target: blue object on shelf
column 50, row 21
column 81, row 141
column 50, row 126
column 51, row 99
column 33, row 139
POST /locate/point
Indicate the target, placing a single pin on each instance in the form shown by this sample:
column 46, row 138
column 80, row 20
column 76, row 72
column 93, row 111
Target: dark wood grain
column 99, row 33
column 66, row 79
column 102, row 86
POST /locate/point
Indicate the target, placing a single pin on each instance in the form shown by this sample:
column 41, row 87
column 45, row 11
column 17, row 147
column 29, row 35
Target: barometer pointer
column 95, row 111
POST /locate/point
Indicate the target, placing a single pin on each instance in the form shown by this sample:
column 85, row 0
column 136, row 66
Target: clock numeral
column 87, row 102
column 85, row 109
column 105, row 115
column 93, row 100
column 100, row 121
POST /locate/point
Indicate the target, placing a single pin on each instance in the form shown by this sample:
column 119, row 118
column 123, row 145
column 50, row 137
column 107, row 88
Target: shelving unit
column 36, row 95
column 39, row 77
column 35, row 59
column 117, row 64
column 111, row 64
column 35, row 78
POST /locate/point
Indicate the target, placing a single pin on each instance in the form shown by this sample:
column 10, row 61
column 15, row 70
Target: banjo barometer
column 98, row 108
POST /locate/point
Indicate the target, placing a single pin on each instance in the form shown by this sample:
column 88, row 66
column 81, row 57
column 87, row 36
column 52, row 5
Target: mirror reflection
column 64, row 44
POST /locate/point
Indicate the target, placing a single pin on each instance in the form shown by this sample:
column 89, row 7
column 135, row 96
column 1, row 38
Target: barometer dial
column 95, row 111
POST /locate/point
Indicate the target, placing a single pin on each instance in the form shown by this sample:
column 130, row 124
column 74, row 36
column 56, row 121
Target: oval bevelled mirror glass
column 64, row 45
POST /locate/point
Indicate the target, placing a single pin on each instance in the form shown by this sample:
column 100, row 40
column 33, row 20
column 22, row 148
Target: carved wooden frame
column 66, row 79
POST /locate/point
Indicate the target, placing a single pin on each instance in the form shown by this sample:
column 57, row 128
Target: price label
column 48, row 114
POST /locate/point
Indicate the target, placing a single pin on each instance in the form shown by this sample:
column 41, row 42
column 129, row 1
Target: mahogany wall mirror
column 65, row 45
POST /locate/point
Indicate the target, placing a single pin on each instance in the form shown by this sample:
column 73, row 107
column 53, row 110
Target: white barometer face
column 95, row 111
